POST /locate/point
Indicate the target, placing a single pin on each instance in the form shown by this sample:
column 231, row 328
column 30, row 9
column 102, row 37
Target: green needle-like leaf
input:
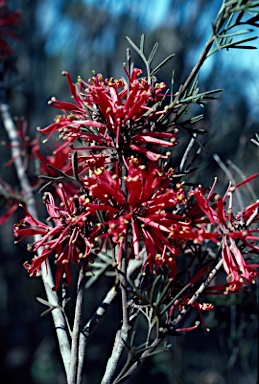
column 142, row 42
column 152, row 292
column 152, row 54
column 159, row 66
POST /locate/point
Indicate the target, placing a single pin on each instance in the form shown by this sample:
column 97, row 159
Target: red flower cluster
column 112, row 115
column 232, row 231
column 144, row 214
column 124, row 196
column 141, row 210
column 70, row 237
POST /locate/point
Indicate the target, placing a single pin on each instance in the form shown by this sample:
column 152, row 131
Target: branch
column 198, row 65
column 73, row 369
column 123, row 333
column 187, row 151
column 92, row 324
column 47, row 278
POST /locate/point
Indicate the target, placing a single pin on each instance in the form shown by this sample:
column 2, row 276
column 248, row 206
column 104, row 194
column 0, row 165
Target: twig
column 198, row 65
column 140, row 360
column 91, row 325
column 230, row 177
column 205, row 53
column 122, row 334
column 74, row 378
column 186, row 153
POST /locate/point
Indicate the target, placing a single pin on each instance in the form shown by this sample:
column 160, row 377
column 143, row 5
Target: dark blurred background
column 81, row 36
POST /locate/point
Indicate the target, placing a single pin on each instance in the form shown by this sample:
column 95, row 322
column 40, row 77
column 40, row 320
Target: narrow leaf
column 45, row 302
column 134, row 46
column 165, row 291
column 159, row 66
column 142, row 41
column 242, row 32
column 196, row 119
column 152, row 54
column 194, row 85
column 47, row 311
column 157, row 279
column 244, row 47
column 239, row 17
column 75, row 164
column 199, row 96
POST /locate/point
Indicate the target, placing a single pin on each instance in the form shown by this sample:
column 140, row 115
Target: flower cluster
column 119, row 192
column 69, row 237
column 113, row 115
column 231, row 230
column 142, row 209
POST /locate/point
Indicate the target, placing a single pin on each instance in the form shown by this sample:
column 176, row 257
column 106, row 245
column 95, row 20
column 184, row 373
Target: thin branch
column 95, row 320
column 186, row 153
column 47, row 277
column 74, row 378
column 124, row 293
column 91, row 325
column 123, row 333
column 198, row 65
column 231, row 178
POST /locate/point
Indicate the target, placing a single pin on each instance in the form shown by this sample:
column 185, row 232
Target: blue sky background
column 152, row 14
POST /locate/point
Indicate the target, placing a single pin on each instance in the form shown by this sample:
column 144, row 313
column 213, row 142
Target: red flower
column 109, row 114
column 185, row 302
column 227, row 228
column 141, row 207
column 71, row 237
column 58, row 160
